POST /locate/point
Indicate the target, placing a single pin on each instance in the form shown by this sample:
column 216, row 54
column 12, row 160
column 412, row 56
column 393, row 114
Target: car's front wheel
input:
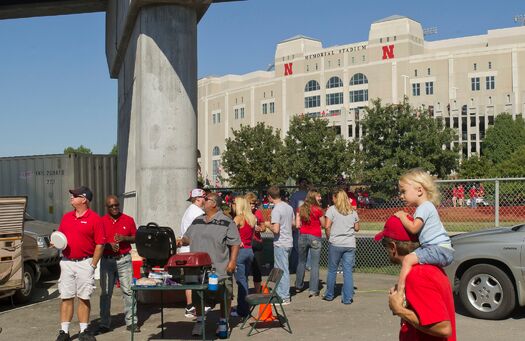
column 487, row 292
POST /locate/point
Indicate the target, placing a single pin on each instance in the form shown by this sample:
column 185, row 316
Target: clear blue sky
column 55, row 89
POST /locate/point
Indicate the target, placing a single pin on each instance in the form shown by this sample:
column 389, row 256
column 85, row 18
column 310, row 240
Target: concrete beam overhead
column 12, row 9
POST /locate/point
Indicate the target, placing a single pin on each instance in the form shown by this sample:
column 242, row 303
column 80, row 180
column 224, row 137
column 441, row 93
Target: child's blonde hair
column 419, row 176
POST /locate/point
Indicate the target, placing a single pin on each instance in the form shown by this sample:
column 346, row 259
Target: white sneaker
column 190, row 313
column 286, row 301
column 197, row 329
column 207, row 309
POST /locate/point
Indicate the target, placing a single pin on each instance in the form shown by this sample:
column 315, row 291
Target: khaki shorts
column 77, row 279
column 211, row 298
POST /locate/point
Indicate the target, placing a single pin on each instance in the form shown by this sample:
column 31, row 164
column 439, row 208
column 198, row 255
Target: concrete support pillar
column 157, row 114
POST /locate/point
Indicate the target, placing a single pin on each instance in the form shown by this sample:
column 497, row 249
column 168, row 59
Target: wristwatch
column 93, row 266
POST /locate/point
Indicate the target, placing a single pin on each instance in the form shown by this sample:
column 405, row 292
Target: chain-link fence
column 466, row 205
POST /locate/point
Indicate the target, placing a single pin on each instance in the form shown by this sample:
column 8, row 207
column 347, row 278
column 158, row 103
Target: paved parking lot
column 368, row 318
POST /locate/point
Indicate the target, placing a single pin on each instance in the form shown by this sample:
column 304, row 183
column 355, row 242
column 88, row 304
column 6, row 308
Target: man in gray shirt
column 281, row 227
column 216, row 234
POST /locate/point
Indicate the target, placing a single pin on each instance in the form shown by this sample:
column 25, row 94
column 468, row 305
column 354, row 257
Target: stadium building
column 465, row 82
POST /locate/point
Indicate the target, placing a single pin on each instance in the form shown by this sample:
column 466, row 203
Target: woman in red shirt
column 309, row 221
column 245, row 221
column 257, row 241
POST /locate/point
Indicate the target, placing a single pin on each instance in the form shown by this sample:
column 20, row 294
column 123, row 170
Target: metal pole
column 496, row 204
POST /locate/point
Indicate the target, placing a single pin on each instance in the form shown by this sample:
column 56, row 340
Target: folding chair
column 268, row 300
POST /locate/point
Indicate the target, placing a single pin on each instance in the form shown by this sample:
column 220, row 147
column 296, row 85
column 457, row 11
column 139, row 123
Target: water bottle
column 213, row 281
column 223, row 329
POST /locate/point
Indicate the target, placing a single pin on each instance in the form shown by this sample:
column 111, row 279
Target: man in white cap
column 197, row 198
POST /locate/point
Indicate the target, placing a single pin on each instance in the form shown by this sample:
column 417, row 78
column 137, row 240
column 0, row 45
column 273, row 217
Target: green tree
column 476, row 168
column 114, row 150
column 253, row 157
column 397, row 138
column 314, row 151
column 79, row 150
column 513, row 166
column 504, row 138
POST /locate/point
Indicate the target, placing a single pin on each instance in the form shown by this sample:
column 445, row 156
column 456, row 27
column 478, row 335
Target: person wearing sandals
column 342, row 223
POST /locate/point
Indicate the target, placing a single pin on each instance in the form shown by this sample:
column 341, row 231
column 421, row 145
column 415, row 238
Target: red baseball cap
column 395, row 230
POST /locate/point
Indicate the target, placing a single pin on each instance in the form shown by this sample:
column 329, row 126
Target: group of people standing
column 420, row 244
column 299, row 223
column 475, row 193
column 91, row 239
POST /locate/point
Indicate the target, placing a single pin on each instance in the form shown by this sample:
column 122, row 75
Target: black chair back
column 273, row 279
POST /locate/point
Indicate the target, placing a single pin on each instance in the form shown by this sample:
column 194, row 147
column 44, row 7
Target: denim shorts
column 435, row 254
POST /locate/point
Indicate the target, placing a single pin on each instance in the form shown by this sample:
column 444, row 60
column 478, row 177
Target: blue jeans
column 110, row 270
column 244, row 265
column 280, row 260
column 307, row 242
column 347, row 255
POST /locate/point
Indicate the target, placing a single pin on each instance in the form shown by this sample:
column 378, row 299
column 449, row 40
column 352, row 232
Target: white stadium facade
column 465, row 82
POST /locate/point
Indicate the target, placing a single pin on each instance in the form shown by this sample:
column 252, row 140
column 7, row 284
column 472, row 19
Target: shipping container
column 46, row 180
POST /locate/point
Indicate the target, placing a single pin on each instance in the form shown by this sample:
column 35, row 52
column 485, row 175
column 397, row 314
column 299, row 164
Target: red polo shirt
column 429, row 294
column 123, row 225
column 82, row 234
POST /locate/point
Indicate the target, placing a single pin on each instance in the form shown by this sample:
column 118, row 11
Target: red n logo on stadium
column 288, row 69
column 388, row 52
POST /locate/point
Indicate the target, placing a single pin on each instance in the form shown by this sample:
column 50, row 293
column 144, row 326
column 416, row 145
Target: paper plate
column 59, row 240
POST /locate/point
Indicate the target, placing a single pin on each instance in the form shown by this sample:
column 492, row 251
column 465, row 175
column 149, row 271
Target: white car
column 479, row 202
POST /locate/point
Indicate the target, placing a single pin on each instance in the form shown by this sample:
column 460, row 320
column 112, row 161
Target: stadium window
column 242, row 113
column 475, row 66
column 358, row 78
column 272, row 107
column 335, row 98
column 312, row 85
column 334, row 82
column 236, row 113
column 350, row 131
column 490, row 65
column 428, row 71
column 490, row 82
column 312, row 101
column 429, row 88
column 415, row 73
column 359, row 96
column 416, row 91
column 265, row 108
column 474, row 83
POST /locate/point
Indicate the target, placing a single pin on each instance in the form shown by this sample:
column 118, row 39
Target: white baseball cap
column 197, row 192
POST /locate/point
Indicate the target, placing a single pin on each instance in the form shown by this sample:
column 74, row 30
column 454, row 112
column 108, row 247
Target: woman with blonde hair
column 342, row 223
column 257, row 241
column 309, row 221
column 245, row 221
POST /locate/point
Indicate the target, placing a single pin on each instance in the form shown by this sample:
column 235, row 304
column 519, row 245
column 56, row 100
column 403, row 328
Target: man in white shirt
column 197, row 198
